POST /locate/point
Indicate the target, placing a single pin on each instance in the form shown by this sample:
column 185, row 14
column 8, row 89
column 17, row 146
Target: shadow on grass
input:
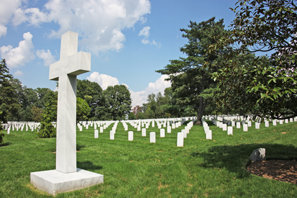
column 87, row 165
column 236, row 158
column 5, row 144
column 78, row 147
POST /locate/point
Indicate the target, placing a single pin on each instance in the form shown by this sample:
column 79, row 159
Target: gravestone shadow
column 5, row 144
column 88, row 165
column 236, row 158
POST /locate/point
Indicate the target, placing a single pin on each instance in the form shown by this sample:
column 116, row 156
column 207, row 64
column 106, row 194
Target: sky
column 128, row 39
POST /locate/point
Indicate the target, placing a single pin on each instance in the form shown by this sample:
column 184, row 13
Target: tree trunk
column 200, row 111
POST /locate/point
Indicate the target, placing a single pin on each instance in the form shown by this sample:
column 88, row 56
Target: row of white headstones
column 221, row 122
column 21, row 126
column 226, row 123
column 138, row 125
column 143, row 125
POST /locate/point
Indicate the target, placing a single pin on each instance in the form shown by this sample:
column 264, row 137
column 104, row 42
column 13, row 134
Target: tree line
column 19, row 103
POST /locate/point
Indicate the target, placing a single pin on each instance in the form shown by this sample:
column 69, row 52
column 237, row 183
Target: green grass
column 202, row 168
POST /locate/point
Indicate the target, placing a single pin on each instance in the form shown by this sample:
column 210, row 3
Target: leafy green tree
column 118, row 101
column 92, row 93
column 269, row 82
column 82, row 109
column 43, row 95
column 36, row 113
column 9, row 104
column 49, row 115
column 191, row 77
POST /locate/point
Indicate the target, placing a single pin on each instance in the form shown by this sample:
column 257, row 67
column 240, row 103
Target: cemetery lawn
column 202, row 168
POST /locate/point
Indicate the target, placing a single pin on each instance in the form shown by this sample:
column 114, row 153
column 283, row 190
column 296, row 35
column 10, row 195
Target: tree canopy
column 191, row 76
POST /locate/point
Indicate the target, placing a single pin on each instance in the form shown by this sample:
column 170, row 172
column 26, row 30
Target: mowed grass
column 202, row 168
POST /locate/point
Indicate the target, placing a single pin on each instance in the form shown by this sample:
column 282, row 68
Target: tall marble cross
column 71, row 64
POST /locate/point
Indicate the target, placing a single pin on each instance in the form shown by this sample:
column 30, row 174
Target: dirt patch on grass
column 281, row 170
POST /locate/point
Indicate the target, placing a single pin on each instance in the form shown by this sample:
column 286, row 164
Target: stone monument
column 66, row 176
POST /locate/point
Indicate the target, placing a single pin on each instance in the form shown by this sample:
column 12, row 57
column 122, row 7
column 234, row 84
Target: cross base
column 54, row 182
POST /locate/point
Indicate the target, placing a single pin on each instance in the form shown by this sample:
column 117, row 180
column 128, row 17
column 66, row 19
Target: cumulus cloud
column 7, row 9
column 32, row 16
column 99, row 23
column 19, row 55
column 46, row 56
column 140, row 97
column 103, row 80
column 145, row 33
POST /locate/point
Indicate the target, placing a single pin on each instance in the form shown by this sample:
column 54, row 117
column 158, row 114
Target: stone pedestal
column 54, row 182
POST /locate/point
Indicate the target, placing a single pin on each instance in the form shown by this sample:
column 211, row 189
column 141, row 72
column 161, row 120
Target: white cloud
column 3, row 30
column 103, row 80
column 46, row 56
column 7, row 9
column 31, row 15
column 19, row 55
column 18, row 73
column 145, row 32
column 140, row 97
column 100, row 23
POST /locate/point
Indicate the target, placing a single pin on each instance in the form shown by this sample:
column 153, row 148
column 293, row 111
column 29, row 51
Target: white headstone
column 238, row 125
column 245, row 127
column 257, row 125
column 274, row 122
column 152, row 137
column 111, row 135
column 249, row 123
column 266, row 123
column 209, row 135
column 224, row 127
column 168, row 129
column 143, row 132
column 180, row 139
column 230, row 130
column 130, row 136
column 281, row 122
column 162, row 133
column 96, row 134
column 101, row 129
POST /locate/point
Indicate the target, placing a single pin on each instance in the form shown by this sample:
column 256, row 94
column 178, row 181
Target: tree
column 36, row 113
column 265, row 26
column 49, row 115
column 82, row 109
column 92, row 93
column 118, row 101
column 9, row 104
column 191, row 77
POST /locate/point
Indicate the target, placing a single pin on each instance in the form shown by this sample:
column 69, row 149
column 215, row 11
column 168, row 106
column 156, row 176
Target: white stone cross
column 71, row 64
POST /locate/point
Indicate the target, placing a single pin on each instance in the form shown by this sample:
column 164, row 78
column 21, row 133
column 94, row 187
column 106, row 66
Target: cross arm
column 72, row 65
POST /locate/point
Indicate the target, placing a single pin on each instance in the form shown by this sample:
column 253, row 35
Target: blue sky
column 128, row 39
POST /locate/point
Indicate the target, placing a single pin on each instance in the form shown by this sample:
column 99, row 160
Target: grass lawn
column 202, row 168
